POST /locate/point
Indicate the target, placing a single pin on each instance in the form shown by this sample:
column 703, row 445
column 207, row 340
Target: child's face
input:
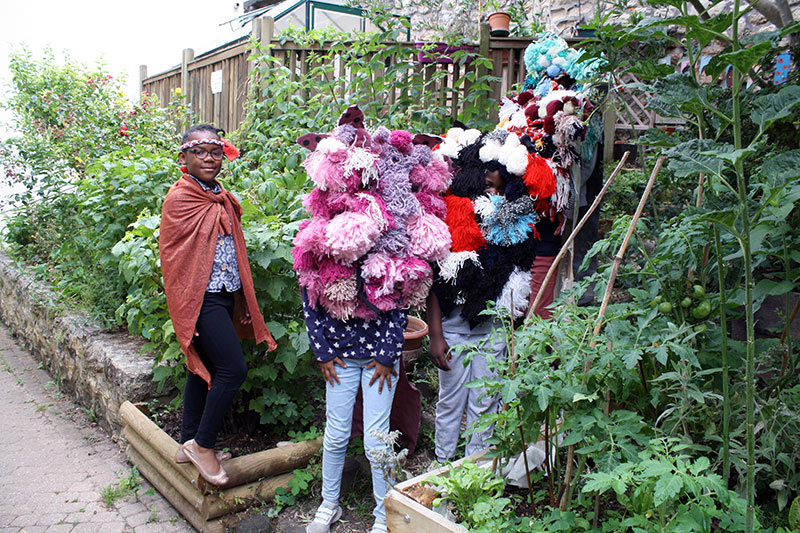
column 203, row 161
column 494, row 182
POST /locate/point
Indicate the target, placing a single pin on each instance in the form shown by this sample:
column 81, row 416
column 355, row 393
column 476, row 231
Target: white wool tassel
column 517, row 287
column 363, row 160
column 451, row 265
column 508, row 108
column 560, row 199
column 483, row 206
column 373, row 211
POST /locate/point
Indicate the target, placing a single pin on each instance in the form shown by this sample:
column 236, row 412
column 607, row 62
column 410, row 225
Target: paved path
column 55, row 464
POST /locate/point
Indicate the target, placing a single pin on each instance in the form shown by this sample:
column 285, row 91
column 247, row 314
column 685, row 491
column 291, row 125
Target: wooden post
column 142, row 77
column 271, row 462
column 167, row 469
column 267, row 31
column 172, row 495
column 188, row 57
column 609, row 128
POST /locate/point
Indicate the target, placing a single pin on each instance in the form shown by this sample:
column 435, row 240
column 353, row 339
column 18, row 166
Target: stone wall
column 447, row 18
column 100, row 369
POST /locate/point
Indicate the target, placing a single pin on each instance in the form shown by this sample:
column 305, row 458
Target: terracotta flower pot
column 415, row 332
column 499, row 23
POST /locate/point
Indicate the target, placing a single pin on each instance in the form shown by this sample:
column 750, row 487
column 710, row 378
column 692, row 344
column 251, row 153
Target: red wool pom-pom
column 532, row 112
column 539, row 177
column 554, row 107
column 524, row 97
column 549, row 125
column 460, row 219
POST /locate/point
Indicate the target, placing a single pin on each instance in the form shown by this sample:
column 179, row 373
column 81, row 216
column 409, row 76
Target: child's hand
column 440, row 352
column 383, row 372
column 245, row 318
column 329, row 370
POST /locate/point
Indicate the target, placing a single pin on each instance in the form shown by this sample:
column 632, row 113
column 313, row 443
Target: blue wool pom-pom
column 553, row 71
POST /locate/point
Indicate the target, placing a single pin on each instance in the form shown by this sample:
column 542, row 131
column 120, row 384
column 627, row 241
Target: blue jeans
column 340, row 399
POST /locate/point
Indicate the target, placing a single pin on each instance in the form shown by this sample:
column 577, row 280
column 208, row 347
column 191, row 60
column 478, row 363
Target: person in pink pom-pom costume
column 362, row 261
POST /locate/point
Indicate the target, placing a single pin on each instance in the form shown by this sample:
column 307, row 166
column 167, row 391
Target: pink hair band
column 192, row 144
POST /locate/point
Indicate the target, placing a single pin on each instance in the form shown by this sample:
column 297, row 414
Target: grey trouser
column 454, row 396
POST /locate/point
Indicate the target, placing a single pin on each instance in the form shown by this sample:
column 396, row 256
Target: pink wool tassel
column 350, row 236
column 430, row 237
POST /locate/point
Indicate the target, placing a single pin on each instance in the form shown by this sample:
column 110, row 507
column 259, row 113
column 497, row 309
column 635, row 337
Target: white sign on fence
column 216, row 82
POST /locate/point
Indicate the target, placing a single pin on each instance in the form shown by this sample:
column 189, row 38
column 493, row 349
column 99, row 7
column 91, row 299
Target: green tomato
column 665, row 307
column 702, row 310
column 698, row 291
column 686, row 302
column 656, row 301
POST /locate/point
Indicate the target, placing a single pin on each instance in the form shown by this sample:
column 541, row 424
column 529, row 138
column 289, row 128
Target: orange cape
column 191, row 218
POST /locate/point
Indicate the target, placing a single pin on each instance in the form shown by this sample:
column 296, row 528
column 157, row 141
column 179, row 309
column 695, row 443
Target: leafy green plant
column 667, row 491
column 476, row 493
column 299, row 487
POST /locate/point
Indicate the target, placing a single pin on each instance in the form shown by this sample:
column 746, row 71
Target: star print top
column 381, row 339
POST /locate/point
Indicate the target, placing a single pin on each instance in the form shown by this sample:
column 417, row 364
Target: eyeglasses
column 199, row 153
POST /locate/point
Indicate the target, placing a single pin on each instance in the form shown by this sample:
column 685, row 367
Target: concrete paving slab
column 56, row 463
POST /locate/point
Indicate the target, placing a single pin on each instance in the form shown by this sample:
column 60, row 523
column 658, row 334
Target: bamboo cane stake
column 618, row 258
column 612, row 278
column 565, row 246
column 607, row 296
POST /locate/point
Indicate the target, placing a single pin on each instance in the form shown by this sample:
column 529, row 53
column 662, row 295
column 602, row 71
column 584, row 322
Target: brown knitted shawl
column 191, row 218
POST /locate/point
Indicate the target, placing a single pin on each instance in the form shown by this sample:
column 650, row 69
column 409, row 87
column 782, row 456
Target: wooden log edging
column 253, row 478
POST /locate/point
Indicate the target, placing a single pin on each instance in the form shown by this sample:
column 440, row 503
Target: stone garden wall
column 100, row 369
column 561, row 16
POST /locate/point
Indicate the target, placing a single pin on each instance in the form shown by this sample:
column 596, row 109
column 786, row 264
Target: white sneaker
column 327, row 514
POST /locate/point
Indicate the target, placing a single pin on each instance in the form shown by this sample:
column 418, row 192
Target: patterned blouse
column 225, row 272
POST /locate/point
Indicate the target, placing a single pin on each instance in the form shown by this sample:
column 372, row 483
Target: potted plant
column 499, row 20
column 413, row 335
column 409, row 504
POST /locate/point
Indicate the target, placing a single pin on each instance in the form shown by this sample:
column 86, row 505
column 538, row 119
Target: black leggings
column 221, row 353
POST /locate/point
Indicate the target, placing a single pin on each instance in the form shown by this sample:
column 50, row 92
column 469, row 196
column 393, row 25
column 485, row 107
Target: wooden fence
column 215, row 84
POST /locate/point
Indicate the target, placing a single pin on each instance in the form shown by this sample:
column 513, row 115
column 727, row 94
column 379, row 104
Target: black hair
column 209, row 128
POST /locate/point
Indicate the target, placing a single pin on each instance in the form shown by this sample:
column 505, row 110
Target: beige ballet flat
column 219, row 479
column 180, row 456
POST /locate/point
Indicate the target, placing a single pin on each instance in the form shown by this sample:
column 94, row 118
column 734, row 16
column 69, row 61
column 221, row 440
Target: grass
column 128, row 484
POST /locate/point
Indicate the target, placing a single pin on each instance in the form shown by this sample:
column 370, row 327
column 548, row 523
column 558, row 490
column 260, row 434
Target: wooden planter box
column 405, row 515
column 253, row 478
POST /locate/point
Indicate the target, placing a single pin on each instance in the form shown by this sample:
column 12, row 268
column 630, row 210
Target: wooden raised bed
column 253, row 478
column 406, row 515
